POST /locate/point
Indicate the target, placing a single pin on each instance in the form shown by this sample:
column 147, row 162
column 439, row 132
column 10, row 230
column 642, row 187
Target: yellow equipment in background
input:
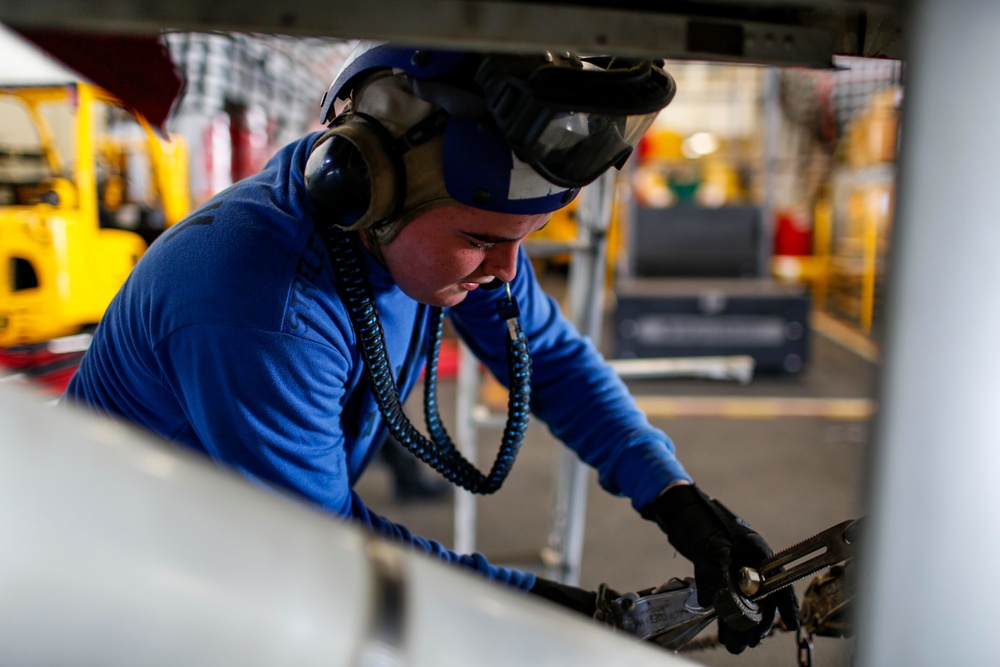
column 84, row 188
column 562, row 228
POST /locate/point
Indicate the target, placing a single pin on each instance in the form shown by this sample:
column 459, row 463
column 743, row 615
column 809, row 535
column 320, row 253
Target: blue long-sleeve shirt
column 229, row 337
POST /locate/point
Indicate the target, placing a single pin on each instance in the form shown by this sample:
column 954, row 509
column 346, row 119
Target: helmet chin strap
column 371, row 243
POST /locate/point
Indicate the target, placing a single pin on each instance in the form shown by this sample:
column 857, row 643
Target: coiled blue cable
column 439, row 451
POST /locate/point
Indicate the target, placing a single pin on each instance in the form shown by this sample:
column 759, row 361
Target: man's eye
column 483, row 246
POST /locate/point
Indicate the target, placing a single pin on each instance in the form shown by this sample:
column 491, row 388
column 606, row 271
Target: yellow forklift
column 85, row 186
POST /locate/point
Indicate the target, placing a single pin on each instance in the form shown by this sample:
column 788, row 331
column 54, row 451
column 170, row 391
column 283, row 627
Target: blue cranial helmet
column 519, row 133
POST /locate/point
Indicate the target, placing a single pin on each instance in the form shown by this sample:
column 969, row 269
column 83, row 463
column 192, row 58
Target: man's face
column 447, row 252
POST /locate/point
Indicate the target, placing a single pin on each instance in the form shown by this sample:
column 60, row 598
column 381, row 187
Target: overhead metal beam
column 803, row 33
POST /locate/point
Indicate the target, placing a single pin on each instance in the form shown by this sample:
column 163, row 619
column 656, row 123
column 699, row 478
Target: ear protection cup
column 354, row 175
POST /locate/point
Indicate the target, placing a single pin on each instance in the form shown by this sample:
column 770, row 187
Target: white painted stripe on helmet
column 526, row 183
column 362, row 47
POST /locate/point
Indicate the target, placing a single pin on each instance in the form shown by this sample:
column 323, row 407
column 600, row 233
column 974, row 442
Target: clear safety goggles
column 572, row 124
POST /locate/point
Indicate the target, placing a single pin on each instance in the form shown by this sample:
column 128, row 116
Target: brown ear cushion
column 383, row 170
column 425, row 188
column 388, row 100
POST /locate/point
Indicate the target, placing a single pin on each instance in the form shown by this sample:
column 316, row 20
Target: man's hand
column 718, row 542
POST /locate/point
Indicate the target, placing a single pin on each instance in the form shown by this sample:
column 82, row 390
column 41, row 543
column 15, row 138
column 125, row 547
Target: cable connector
column 509, row 312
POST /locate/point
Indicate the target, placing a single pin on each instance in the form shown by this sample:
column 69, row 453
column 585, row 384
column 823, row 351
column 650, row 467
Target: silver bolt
column 749, row 580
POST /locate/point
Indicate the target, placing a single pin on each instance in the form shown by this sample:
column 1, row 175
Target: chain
column 712, row 641
column 803, row 642
column 805, row 647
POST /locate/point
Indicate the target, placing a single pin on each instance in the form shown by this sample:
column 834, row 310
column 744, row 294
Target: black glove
column 571, row 597
column 718, row 543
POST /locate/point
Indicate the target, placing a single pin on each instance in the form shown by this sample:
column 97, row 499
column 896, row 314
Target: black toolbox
column 693, row 317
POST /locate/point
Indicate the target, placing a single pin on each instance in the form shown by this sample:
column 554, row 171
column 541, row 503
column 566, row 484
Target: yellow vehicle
column 84, row 188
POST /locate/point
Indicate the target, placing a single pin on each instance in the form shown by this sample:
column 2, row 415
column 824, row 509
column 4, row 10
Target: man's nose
column 501, row 261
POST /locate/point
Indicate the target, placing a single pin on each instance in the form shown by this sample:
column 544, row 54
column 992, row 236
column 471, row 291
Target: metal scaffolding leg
column 467, row 443
column 563, row 553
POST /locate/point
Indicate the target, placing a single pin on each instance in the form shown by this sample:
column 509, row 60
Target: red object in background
column 792, row 233
column 137, row 69
column 447, row 360
column 48, row 371
column 643, row 148
column 250, row 136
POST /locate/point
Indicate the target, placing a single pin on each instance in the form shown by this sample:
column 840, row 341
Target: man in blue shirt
column 280, row 326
